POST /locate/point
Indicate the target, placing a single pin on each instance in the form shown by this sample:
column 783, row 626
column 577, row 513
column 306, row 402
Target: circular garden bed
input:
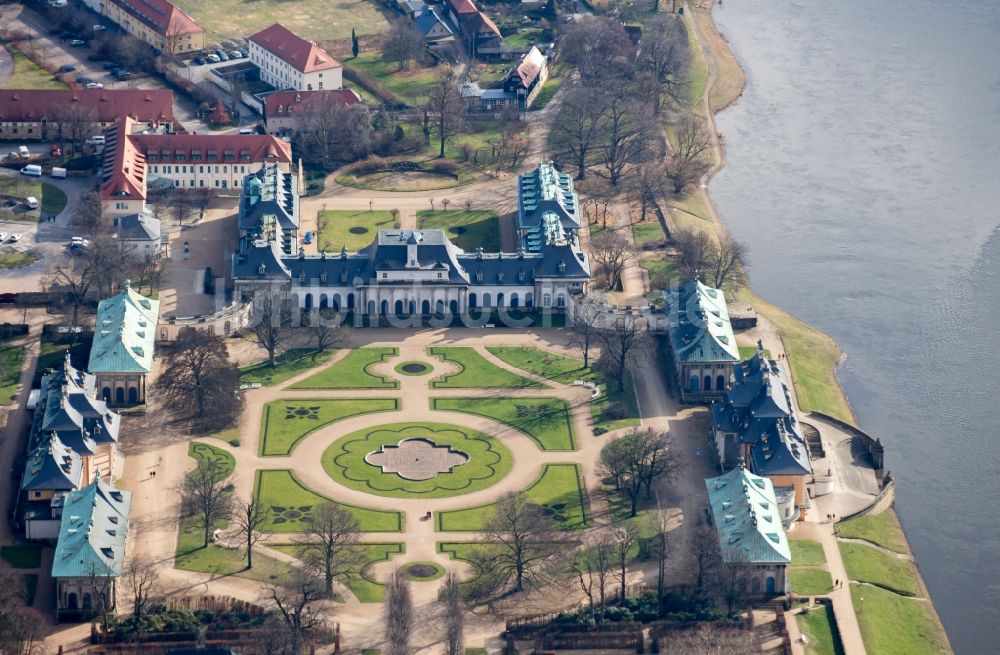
column 423, row 571
column 358, row 229
column 484, row 460
column 414, row 368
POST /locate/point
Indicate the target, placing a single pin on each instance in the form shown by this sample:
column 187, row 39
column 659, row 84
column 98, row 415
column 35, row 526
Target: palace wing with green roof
column 746, row 517
column 92, row 532
column 124, row 334
column 699, row 325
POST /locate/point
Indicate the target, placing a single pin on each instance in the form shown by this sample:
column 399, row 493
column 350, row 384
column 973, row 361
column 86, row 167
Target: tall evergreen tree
column 355, row 46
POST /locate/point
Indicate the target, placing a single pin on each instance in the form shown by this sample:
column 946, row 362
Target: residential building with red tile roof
column 287, row 61
column 133, row 162
column 479, row 31
column 159, row 23
column 55, row 114
column 282, row 108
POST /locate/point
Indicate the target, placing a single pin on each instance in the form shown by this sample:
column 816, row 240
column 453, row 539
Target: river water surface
column 863, row 172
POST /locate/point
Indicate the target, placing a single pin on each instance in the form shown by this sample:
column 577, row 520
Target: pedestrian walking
column 836, row 584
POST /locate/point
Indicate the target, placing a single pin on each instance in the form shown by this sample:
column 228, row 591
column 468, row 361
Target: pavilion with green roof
column 746, row 517
column 122, row 353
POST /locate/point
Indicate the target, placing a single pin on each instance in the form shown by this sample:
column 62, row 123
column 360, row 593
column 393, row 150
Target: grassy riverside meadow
column 351, row 372
column 488, row 461
column 812, row 356
column 290, row 502
column 559, row 490
column 818, row 626
column 286, row 422
column 364, row 588
column 545, row 420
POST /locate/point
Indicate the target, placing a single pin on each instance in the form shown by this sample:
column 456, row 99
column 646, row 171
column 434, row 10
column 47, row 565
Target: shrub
column 399, row 133
column 466, row 151
column 599, row 431
column 444, row 166
column 371, row 164
column 615, row 411
column 235, row 443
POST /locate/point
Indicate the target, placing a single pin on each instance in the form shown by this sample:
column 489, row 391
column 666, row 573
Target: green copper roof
column 699, row 325
column 92, row 532
column 124, row 334
column 746, row 517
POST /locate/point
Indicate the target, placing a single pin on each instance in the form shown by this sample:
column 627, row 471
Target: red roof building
column 287, row 61
column 479, row 30
column 40, row 114
column 282, row 108
column 159, row 23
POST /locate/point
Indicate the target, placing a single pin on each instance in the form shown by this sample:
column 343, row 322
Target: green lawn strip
column 746, row 352
column 290, row 503
column 818, row 626
column 10, row 260
column 806, row 552
column 203, row 451
column 352, row 372
column 548, row 91
column 29, row 75
column 566, row 370
column 11, row 358
column 229, row 435
column 345, row 461
column 412, row 85
column 661, row 272
column 475, row 372
column 882, row 529
column 865, row 564
column 524, row 38
column 27, row 556
column 809, row 581
column 559, row 490
column 648, row 233
column 545, row 420
column 317, row 20
column 335, row 228
column 365, row 588
column 51, row 197
column 467, row 229
column 286, row 422
column 286, row 366
column 895, row 625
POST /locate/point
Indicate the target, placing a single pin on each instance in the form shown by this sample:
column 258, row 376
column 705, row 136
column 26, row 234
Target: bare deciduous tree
column 586, row 316
column 403, row 44
column 250, row 518
column 203, row 495
column 665, row 53
column 445, row 104
column 87, row 213
column 727, row 262
column 332, row 543
column 614, row 253
column 295, row 596
column 592, row 567
column 526, row 549
column 599, row 48
column 574, row 130
column 704, row 549
column 200, row 381
column 625, row 134
column 451, row 594
column 19, row 624
column 328, row 134
column 398, row 614
column 624, row 539
column 269, row 325
column 322, row 333
column 709, row 639
column 694, row 248
column 142, row 585
column 636, row 461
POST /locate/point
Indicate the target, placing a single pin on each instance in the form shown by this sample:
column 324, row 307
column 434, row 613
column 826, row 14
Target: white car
column 16, row 237
column 3, row 236
column 93, row 85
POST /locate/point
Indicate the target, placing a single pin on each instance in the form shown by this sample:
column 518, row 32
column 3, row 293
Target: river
column 863, row 172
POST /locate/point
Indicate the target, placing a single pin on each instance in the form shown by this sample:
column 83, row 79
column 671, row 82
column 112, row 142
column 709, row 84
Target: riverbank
column 812, row 355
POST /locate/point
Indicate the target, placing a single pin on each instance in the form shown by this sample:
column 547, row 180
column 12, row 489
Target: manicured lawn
column 286, row 366
column 352, row 372
column 746, row 352
column 51, row 198
column 423, row 179
column 559, row 490
column 290, row 504
column 22, row 556
column 567, row 369
column 365, row 588
column 412, row 86
column 17, row 259
column 894, row 625
column 547, row 93
column 817, row 625
column 882, row 529
column 319, row 20
column 649, row 232
column 661, row 271
column 524, row 38
column 865, row 564
column 488, row 461
column 11, row 358
column 475, row 372
column 339, row 228
column 229, row 435
column 53, row 355
column 808, row 581
column 807, row 553
column 546, row 420
column 203, row 451
column 468, row 229
column 29, row 75
column 286, row 422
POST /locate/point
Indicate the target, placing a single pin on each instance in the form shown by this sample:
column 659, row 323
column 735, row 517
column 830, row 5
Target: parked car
column 23, row 152
column 213, row 59
column 58, row 172
column 83, row 79
column 93, row 85
column 57, row 3
column 3, row 236
column 98, row 140
column 17, row 235
column 244, row 53
column 124, row 75
column 67, row 68
column 31, row 202
column 221, row 54
column 99, row 28
column 55, row 151
column 235, row 54
column 77, row 42
column 32, row 170
column 199, row 61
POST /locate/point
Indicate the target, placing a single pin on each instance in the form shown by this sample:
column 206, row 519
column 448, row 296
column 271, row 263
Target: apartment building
column 289, row 62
